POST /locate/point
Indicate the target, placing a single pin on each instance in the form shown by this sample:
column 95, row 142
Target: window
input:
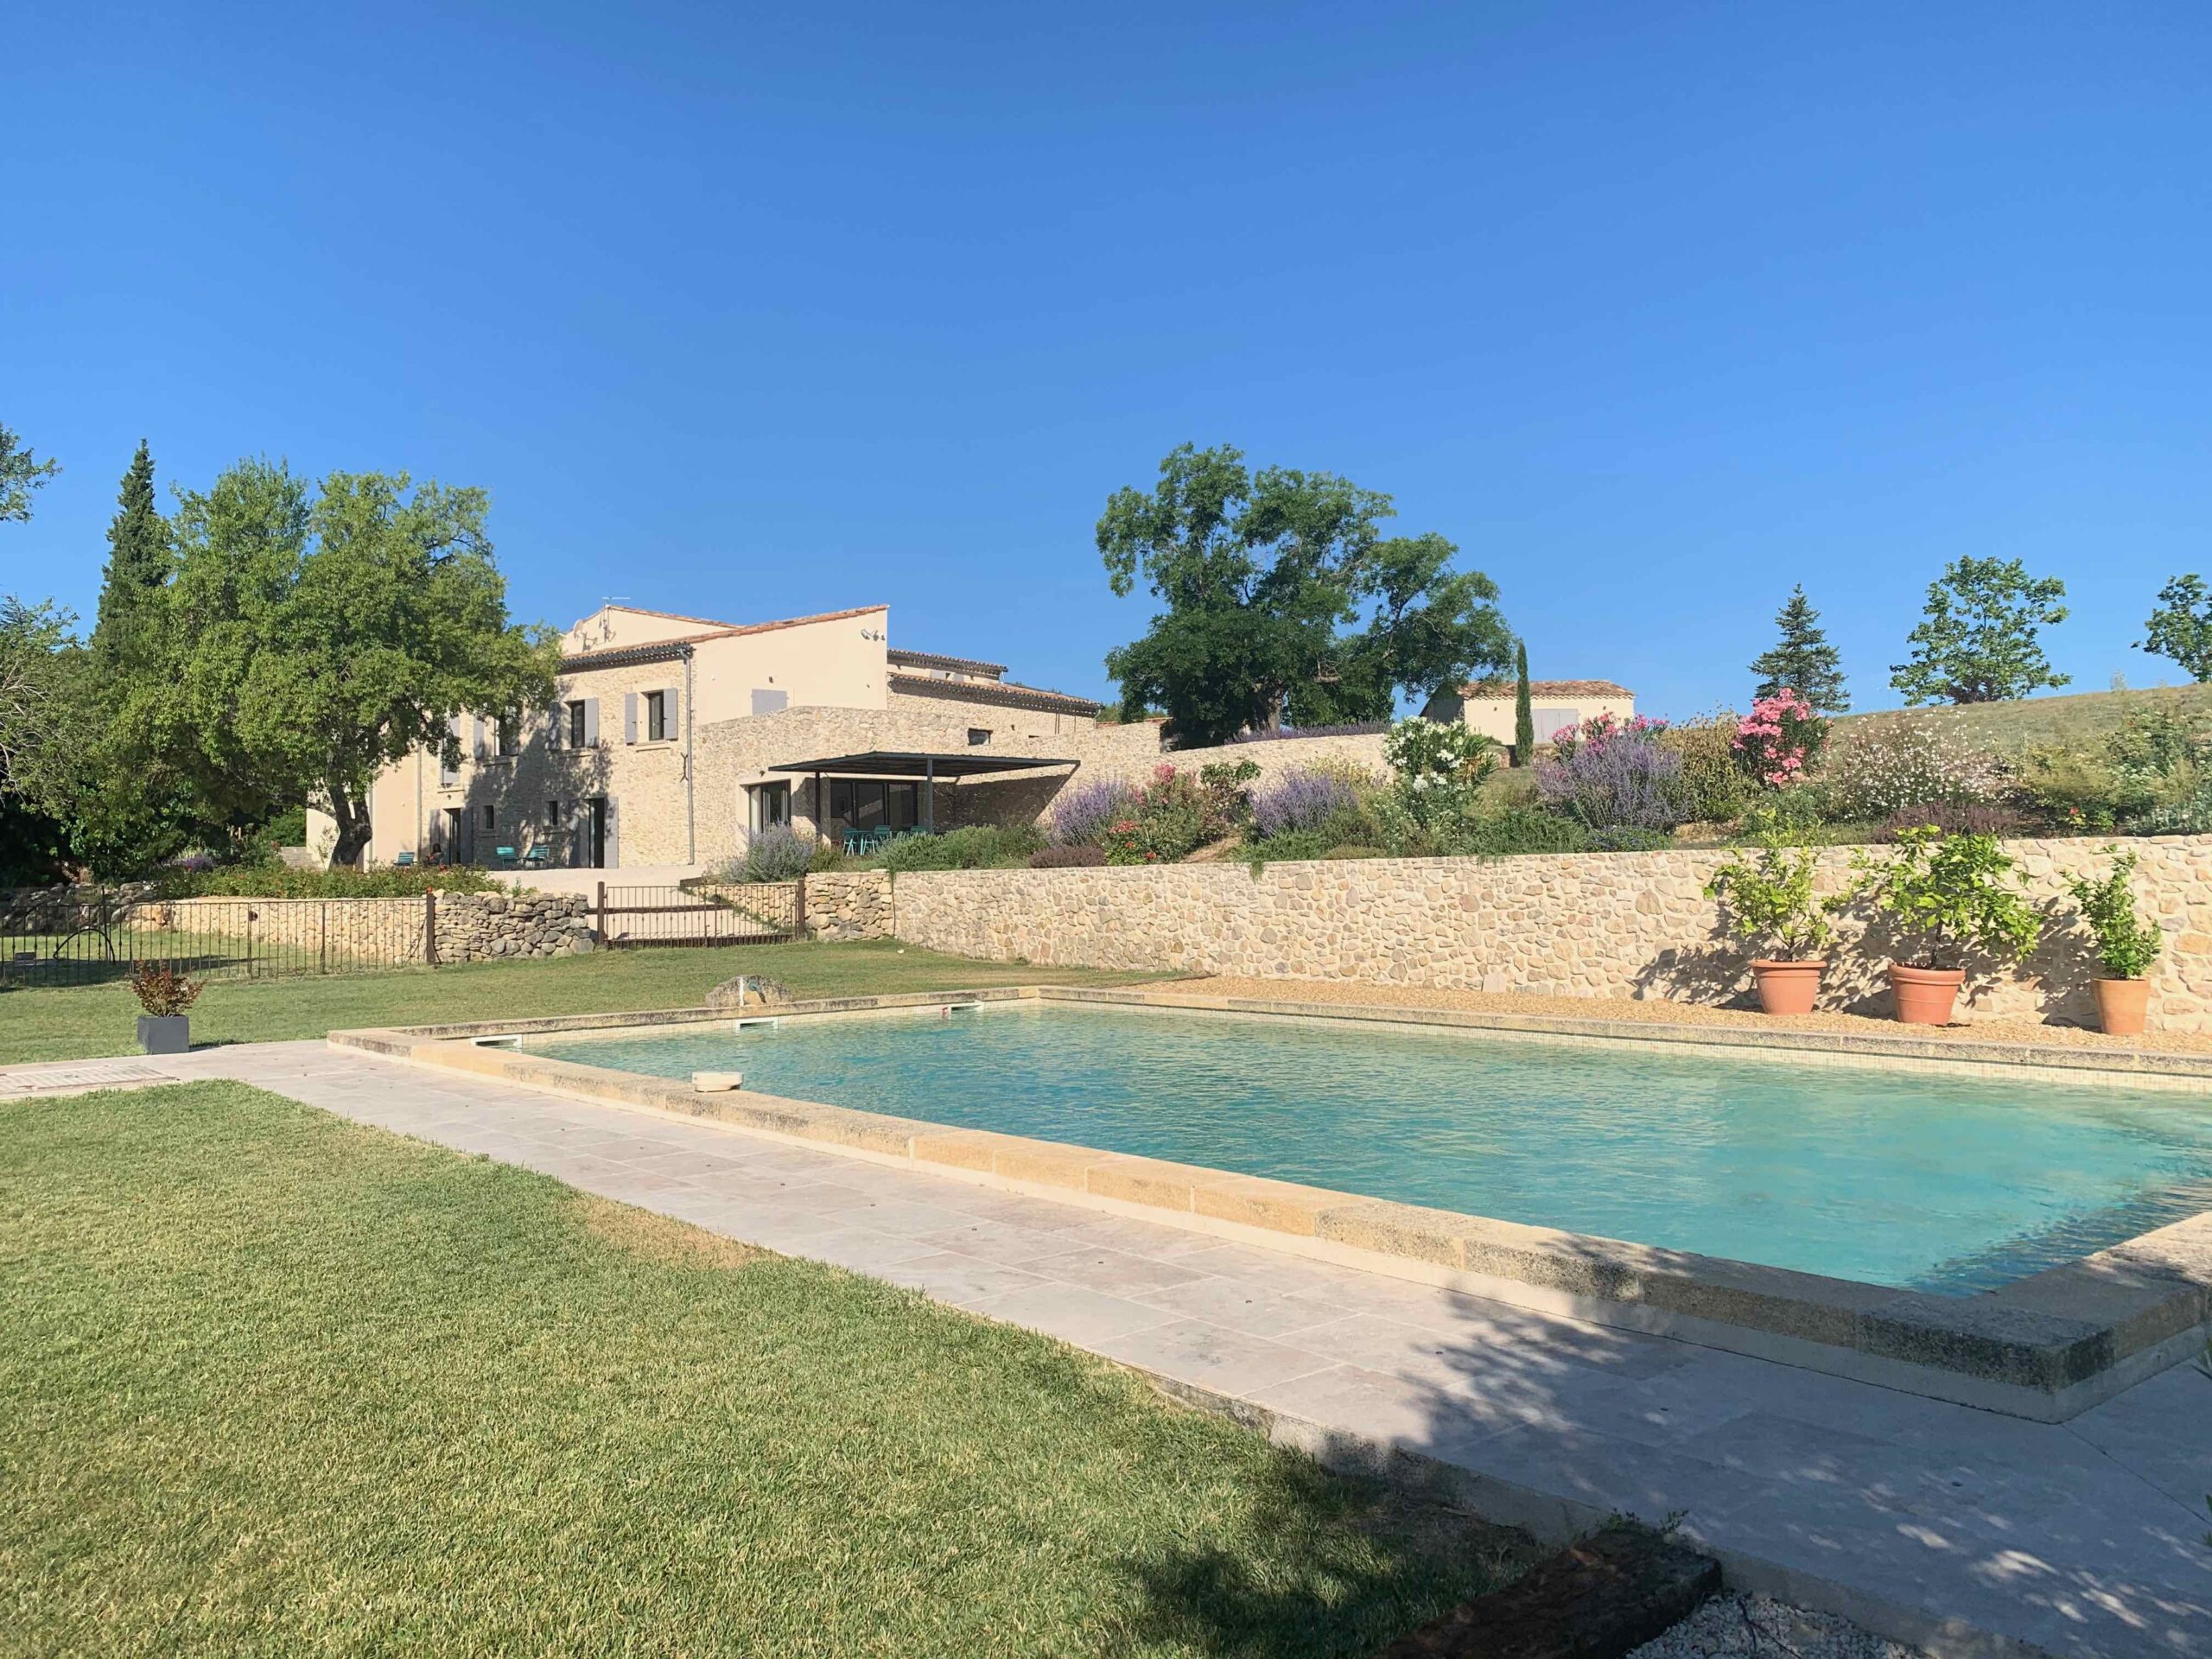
column 978, row 735
column 577, row 738
column 766, row 805
column 770, row 702
column 491, row 817
column 865, row 804
column 448, row 771
column 553, row 817
column 510, row 735
column 656, row 717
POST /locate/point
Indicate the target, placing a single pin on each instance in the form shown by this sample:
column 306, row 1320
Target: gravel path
column 1752, row 1627
column 1662, row 1012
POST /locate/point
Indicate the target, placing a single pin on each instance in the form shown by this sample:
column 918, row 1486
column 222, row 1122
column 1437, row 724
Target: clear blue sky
column 1652, row 308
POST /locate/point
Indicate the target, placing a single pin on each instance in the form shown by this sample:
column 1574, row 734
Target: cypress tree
column 137, row 563
column 1802, row 661
column 1524, row 714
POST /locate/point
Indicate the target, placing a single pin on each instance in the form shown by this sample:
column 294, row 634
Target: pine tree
column 1524, row 714
column 137, row 566
column 1803, row 661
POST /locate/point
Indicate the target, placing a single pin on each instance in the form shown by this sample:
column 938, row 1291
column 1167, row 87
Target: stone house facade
column 1487, row 705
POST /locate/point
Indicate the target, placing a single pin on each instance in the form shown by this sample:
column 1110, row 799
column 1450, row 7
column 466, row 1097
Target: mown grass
column 2083, row 721
column 95, row 1019
column 279, row 1384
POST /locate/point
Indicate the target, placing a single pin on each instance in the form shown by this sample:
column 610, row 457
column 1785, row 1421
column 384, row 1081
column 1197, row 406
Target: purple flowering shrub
column 1084, row 812
column 1301, row 800
column 1616, row 779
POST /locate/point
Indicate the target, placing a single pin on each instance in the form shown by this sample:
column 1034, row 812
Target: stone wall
column 488, row 927
column 848, row 905
column 1583, row 925
column 336, row 932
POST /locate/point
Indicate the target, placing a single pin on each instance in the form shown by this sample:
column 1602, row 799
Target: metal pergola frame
column 899, row 765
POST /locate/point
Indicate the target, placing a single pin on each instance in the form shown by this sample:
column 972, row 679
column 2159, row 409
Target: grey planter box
column 165, row 1033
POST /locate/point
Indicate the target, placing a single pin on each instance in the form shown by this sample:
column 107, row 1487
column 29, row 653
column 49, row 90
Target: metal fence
column 768, row 912
column 88, row 940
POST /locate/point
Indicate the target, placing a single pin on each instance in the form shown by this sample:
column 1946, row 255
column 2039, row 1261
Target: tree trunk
column 353, row 830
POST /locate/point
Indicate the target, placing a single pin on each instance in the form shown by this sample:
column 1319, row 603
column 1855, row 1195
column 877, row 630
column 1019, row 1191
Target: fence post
column 604, row 941
column 429, row 927
column 798, row 909
column 322, row 937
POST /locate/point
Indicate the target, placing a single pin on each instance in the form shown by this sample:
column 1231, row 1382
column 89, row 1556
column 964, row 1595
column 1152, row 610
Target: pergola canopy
column 900, row 763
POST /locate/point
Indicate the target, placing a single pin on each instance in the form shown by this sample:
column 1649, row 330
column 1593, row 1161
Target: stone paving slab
column 1961, row 1531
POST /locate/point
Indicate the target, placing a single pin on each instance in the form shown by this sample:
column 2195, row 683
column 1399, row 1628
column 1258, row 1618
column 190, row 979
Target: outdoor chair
column 506, row 855
column 856, row 842
column 879, row 838
column 539, row 857
column 402, row 861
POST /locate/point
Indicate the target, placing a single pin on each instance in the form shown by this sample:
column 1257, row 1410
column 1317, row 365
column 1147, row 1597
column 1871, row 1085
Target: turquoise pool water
column 1898, row 1178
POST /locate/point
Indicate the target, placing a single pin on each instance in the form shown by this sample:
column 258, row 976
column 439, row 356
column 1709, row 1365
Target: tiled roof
column 1002, row 693
column 931, row 660
column 721, row 629
column 1491, row 689
column 648, row 651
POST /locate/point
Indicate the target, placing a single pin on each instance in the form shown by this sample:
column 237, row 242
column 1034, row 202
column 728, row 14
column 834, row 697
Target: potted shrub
column 2127, row 946
column 1769, row 899
column 165, row 993
column 1955, row 892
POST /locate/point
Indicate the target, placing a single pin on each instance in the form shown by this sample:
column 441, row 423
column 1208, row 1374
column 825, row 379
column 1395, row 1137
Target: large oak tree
column 1283, row 600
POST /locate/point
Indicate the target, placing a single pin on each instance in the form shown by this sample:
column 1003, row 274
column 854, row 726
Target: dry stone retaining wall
column 1582, row 925
column 489, row 926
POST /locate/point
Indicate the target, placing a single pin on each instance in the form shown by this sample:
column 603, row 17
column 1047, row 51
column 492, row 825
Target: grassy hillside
column 2082, row 721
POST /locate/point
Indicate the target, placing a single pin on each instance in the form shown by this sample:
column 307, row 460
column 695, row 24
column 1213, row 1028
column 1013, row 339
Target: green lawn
column 94, row 1019
column 276, row 1384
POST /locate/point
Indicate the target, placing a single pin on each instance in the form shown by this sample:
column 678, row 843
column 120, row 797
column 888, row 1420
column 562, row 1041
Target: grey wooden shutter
column 555, row 718
column 614, row 859
column 668, row 712
column 629, row 716
column 591, row 723
column 476, row 737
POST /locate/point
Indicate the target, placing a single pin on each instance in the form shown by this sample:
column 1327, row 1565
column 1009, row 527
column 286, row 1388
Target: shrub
column 1952, row 818
column 162, row 990
column 777, row 853
column 1600, row 729
column 2068, row 789
column 1886, row 762
column 1624, row 838
column 1780, row 738
column 1293, row 844
column 1067, row 858
column 1615, row 777
column 2192, row 816
column 1171, row 816
column 2127, row 945
column 1426, row 754
column 1299, row 800
column 276, row 882
column 1227, row 787
column 1951, row 891
column 1517, row 829
column 1715, row 787
column 978, row 847
column 1082, row 813
column 1771, row 898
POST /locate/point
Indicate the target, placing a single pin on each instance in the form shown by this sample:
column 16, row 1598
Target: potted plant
column 2127, row 946
column 1770, row 899
column 165, row 993
column 1954, row 891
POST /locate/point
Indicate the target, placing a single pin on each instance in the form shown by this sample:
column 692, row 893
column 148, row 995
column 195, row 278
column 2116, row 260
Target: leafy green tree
column 2181, row 627
column 1524, row 712
column 34, row 639
column 1283, row 599
column 21, row 472
column 312, row 642
column 1978, row 643
column 1803, row 660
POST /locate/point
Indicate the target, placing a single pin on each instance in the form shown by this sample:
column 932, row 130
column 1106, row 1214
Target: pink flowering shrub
column 1599, row 730
column 1780, row 738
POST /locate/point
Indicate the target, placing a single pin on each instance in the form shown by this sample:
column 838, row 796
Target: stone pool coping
column 2046, row 1347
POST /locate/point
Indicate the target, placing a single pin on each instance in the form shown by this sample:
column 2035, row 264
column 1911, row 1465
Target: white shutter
column 629, row 716
column 591, row 723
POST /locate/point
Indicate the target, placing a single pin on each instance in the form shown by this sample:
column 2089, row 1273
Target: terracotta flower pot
column 2121, row 1004
column 1925, row 996
column 1788, row 986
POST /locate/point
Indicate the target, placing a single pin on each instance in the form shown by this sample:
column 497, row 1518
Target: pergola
column 902, row 765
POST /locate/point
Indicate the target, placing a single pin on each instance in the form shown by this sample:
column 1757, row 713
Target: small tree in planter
column 1955, row 892
column 2126, row 946
column 165, row 993
column 1769, row 899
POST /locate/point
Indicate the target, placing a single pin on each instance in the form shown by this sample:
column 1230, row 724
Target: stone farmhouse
column 672, row 739
column 1487, row 705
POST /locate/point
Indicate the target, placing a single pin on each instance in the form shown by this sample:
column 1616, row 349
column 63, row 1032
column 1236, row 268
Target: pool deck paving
column 1962, row 1531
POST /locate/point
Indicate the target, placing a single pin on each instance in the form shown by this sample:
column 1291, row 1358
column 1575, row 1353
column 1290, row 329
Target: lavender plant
column 1084, row 812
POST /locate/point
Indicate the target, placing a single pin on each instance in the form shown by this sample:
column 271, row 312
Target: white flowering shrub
column 1876, row 765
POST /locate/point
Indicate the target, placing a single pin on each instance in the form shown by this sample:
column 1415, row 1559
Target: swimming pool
column 1922, row 1179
